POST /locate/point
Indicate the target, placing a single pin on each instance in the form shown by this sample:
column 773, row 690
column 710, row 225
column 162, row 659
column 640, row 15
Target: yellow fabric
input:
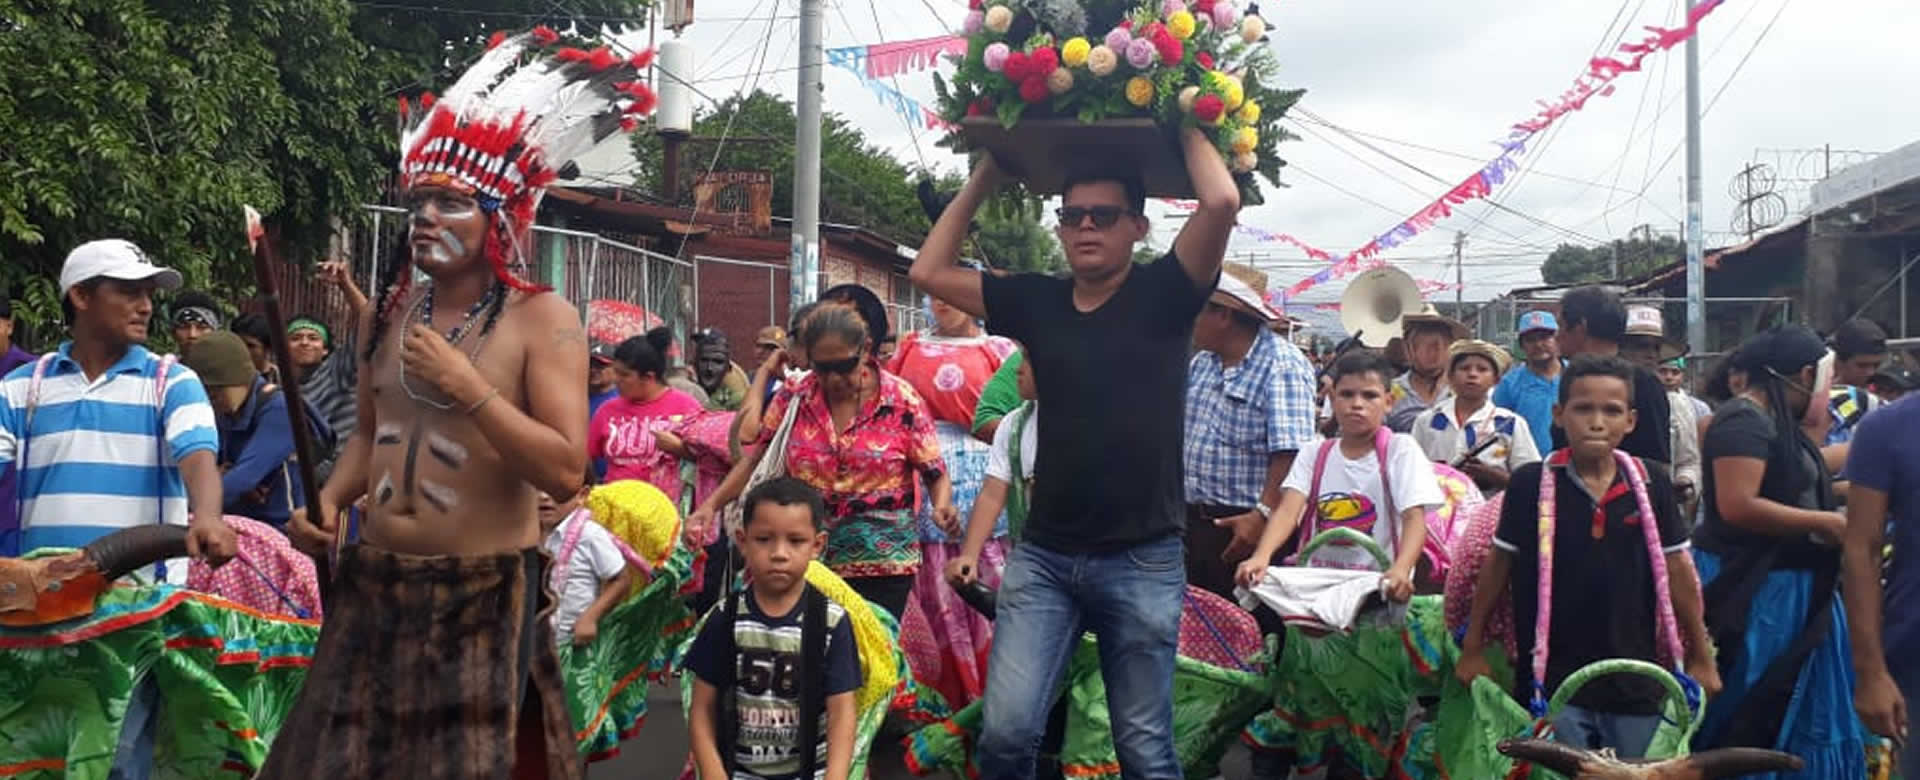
column 878, row 671
column 640, row 515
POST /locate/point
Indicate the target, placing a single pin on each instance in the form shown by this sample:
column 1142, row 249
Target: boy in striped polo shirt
column 98, row 449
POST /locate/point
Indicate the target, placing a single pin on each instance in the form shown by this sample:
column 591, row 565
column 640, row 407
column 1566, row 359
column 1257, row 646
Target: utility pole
column 1459, row 273
column 1696, row 251
column 804, row 258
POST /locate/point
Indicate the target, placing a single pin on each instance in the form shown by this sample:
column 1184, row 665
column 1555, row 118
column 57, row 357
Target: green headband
column 308, row 323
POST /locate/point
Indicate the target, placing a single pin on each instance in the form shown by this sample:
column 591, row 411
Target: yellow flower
column 1245, row 140
column 1181, row 25
column 1139, row 91
column 1232, row 92
column 1249, row 112
column 1074, row 53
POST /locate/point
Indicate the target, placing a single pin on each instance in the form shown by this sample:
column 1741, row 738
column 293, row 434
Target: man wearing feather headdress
column 436, row 660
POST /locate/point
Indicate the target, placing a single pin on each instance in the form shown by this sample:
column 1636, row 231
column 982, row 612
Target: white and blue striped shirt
column 94, row 457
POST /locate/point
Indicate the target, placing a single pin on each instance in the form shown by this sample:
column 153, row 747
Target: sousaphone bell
column 1375, row 304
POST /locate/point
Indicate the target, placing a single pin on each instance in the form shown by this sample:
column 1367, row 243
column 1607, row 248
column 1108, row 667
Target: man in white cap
column 110, row 436
column 70, row 416
column 1249, row 409
column 1646, row 344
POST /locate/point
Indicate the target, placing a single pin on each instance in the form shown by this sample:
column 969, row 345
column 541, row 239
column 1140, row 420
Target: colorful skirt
column 1820, row 726
column 966, row 459
column 429, row 668
column 947, row 642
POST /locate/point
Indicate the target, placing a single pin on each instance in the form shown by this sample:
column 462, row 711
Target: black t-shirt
column 1741, row 429
column 1113, row 382
column 1652, row 437
column 1603, row 590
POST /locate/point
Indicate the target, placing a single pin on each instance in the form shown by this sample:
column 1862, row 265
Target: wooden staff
column 264, row 260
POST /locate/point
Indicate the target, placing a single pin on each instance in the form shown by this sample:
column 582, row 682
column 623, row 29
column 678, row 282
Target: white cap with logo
column 113, row 258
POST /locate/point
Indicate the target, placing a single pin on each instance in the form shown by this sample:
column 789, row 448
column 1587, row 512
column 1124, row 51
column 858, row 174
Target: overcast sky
column 1454, row 76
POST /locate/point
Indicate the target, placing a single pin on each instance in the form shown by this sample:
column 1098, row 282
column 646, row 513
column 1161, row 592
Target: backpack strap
column 1383, row 441
column 1313, row 501
column 813, row 680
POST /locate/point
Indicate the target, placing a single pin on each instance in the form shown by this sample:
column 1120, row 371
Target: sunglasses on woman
column 1103, row 216
column 841, row 367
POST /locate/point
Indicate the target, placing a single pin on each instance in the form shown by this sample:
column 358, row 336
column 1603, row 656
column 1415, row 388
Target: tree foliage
column 1011, row 237
column 155, row 120
column 1638, row 256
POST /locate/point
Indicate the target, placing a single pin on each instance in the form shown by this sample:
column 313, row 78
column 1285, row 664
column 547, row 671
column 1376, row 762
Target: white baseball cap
column 113, row 258
column 1235, row 294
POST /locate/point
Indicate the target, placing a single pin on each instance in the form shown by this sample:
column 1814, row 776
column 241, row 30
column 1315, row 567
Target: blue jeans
column 133, row 757
column 1131, row 600
column 1628, row 735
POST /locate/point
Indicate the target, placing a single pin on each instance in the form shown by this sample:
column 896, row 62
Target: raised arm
column 1202, row 243
column 936, row 269
column 311, row 528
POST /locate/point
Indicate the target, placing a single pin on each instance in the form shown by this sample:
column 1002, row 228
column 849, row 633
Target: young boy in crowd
column 751, row 660
column 590, row 575
column 1450, row 431
column 1002, row 488
column 1602, row 577
column 1352, row 492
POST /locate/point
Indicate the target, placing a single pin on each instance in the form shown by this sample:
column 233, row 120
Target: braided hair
column 398, row 284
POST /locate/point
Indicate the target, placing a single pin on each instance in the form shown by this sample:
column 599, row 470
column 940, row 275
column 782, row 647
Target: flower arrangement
column 1198, row 63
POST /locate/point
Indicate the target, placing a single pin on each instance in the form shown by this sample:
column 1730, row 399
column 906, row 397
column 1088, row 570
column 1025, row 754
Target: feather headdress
column 517, row 116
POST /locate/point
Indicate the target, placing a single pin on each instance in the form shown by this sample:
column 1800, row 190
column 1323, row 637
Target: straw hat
column 1244, row 289
column 1499, row 357
column 1430, row 316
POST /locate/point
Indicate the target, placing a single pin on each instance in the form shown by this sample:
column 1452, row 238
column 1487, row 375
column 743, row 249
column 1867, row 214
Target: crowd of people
column 1737, row 536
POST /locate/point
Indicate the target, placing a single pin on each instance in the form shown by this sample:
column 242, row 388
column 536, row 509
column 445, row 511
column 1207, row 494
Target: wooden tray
column 1040, row 152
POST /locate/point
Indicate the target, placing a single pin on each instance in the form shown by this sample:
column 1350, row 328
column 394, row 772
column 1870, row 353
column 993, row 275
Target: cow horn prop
column 119, row 553
column 1719, row 763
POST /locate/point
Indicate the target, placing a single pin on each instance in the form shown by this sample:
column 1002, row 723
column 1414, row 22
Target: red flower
column 1170, row 50
column 1154, row 31
column 981, row 107
column 1018, row 67
column 1201, row 7
column 974, row 4
column 544, row 35
column 1034, row 89
column 1205, row 60
column 1208, row 108
column 1126, row 24
column 1044, row 60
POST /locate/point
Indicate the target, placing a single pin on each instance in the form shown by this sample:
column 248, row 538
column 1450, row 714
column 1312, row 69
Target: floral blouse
column 866, row 473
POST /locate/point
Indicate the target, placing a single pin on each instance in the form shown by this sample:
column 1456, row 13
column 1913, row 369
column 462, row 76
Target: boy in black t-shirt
column 1603, row 594
column 756, row 650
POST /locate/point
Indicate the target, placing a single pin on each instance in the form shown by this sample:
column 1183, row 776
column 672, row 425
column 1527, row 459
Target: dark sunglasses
column 1103, row 216
column 841, row 367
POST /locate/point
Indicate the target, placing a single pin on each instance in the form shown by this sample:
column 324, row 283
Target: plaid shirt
column 1239, row 416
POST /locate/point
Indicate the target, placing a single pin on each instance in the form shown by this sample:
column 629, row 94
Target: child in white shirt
column 590, row 575
column 1452, row 429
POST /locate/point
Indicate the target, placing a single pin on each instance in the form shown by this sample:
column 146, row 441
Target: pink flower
column 976, row 21
column 995, row 56
column 1205, row 60
column 1225, row 16
column 1171, row 7
column 1118, row 38
column 1140, row 53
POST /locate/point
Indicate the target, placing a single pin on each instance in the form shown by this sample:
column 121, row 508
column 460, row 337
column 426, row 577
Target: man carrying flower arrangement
column 1102, row 547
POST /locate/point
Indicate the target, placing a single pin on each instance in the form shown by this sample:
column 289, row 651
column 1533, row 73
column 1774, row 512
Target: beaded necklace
column 454, row 335
column 1666, row 627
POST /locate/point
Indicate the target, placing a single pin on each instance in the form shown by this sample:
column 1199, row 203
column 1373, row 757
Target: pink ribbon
column 888, row 59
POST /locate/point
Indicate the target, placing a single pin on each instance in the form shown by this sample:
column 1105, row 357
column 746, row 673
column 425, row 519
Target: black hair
column 1770, row 358
column 837, row 321
column 6, row 307
column 871, row 310
column 1086, row 173
column 1597, row 307
column 1858, row 337
column 253, row 326
column 1363, row 361
column 646, row 354
column 800, row 316
column 785, row 491
column 68, row 314
column 398, row 284
column 1583, row 366
column 190, row 299
column 326, row 335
